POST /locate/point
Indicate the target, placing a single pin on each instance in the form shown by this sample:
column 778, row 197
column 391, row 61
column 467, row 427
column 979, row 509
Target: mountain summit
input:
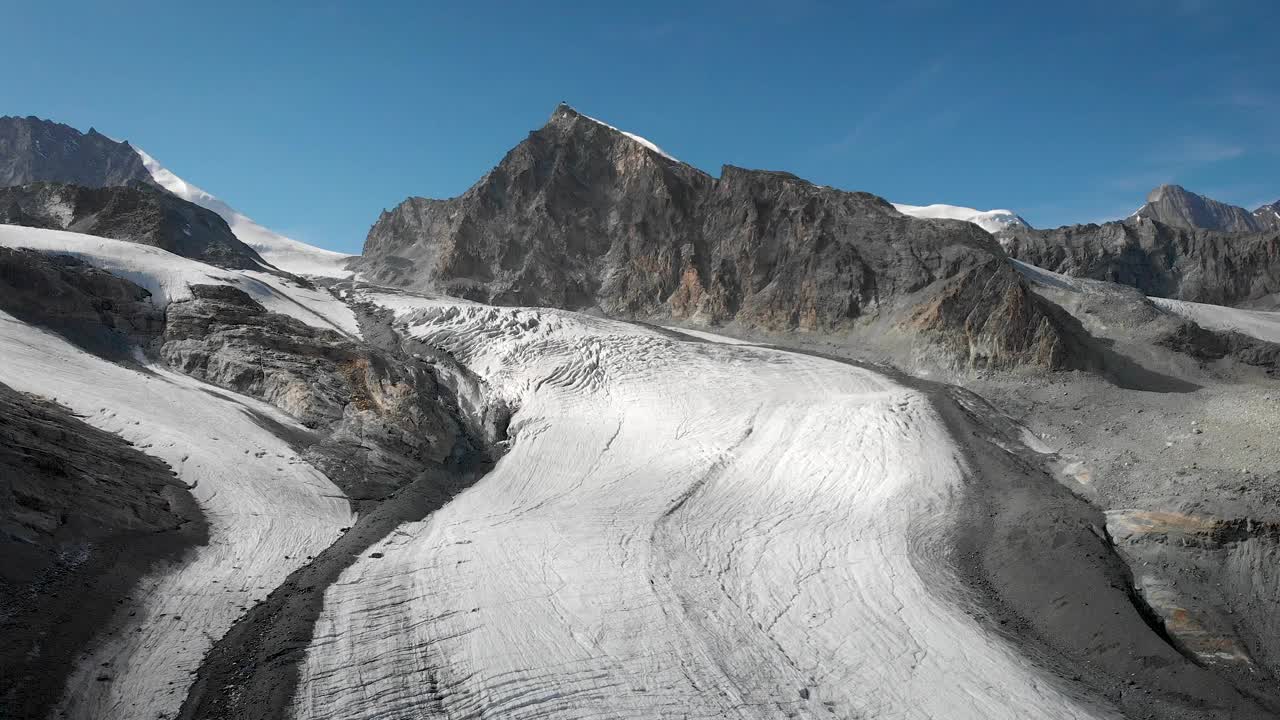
column 583, row 215
column 1176, row 206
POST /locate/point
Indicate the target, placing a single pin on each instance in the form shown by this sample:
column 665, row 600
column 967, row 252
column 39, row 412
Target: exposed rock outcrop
column 1210, row 345
column 581, row 215
column 137, row 213
column 1159, row 259
column 1213, row 583
column 379, row 420
column 35, row 150
column 102, row 313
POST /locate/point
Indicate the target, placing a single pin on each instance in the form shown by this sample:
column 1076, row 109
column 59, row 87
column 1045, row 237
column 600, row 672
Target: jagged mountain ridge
column 1159, row 259
column 581, row 215
column 137, row 212
column 36, row 150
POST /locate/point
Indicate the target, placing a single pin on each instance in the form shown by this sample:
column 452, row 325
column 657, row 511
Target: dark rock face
column 96, row 310
column 379, row 420
column 1175, row 206
column 35, row 150
column 1159, row 259
column 1208, row 345
column 83, row 514
column 580, row 215
column 137, row 213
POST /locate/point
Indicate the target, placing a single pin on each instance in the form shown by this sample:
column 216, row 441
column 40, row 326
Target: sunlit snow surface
column 169, row 277
column 1262, row 324
column 266, row 508
column 283, row 252
column 990, row 220
column 680, row 529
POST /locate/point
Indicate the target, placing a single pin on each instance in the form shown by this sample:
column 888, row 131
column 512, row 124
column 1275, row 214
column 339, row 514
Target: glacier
column 681, row 528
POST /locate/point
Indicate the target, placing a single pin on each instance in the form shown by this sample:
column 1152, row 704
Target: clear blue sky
column 313, row 119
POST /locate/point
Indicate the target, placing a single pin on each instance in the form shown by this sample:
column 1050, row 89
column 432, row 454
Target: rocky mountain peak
column 1268, row 216
column 37, row 150
column 582, row 215
column 1174, row 191
column 1176, row 206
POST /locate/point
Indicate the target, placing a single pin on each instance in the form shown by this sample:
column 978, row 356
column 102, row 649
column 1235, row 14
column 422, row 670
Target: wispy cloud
column 1252, row 99
column 1193, row 152
column 1171, row 161
column 912, row 86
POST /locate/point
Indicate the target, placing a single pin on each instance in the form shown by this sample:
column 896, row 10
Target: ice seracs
column 283, row 252
column 992, row 221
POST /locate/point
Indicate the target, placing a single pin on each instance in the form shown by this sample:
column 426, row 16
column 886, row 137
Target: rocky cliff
column 138, row 213
column 581, row 215
column 1159, row 259
column 35, row 150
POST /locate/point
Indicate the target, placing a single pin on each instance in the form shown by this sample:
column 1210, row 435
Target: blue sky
column 313, row 118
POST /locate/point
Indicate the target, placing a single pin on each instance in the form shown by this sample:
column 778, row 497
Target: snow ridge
column 634, row 137
column 283, row 252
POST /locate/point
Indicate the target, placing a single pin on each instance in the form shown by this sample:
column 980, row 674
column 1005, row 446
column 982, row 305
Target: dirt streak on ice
column 267, row 510
column 680, row 529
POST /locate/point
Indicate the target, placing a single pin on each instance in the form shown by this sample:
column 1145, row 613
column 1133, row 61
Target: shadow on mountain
column 1099, row 356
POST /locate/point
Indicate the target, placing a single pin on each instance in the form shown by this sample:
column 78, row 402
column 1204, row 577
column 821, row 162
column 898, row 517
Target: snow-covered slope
column 992, row 221
column 283, row 252
column 267, row 511
column 1264, row 325
column 169, row 277
column 680, row 529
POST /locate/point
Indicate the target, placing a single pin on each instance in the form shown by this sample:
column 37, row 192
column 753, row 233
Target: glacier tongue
column 680, row 529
